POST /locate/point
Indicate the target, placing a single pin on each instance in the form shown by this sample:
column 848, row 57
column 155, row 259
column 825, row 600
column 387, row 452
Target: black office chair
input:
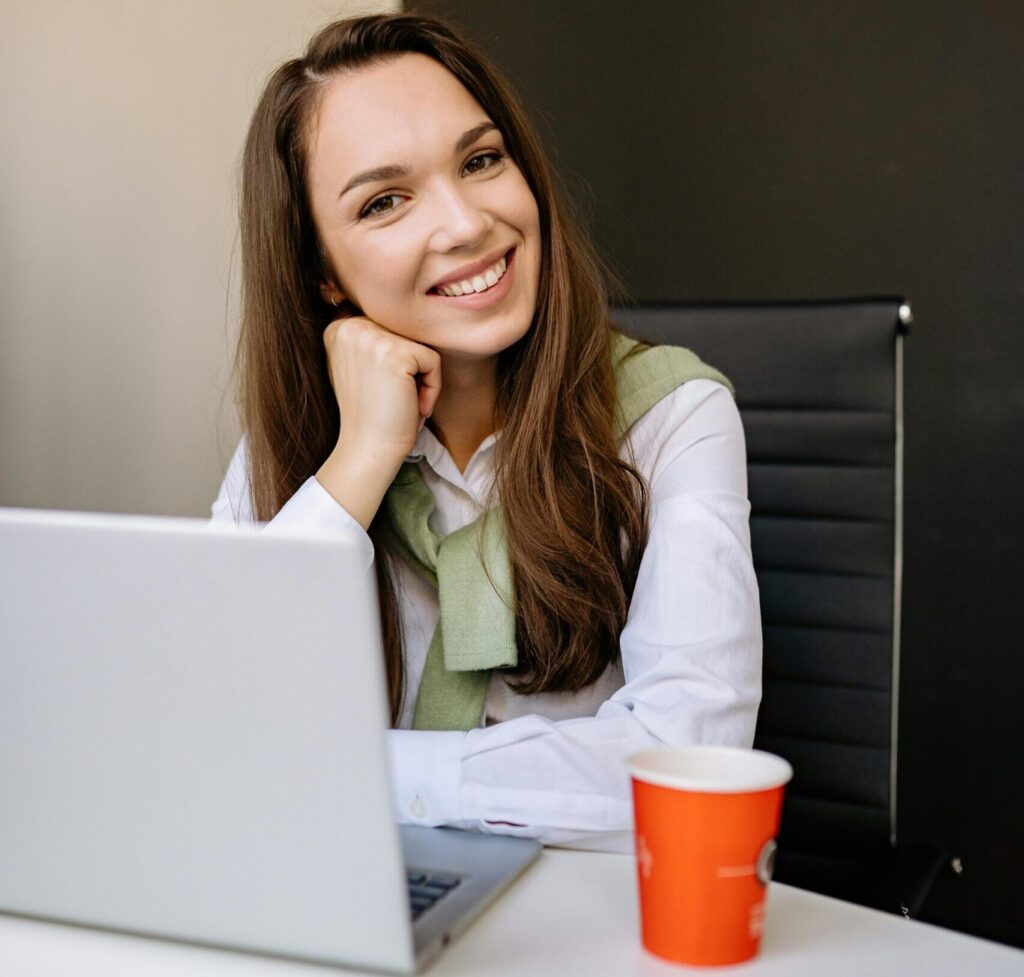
column 819, row 387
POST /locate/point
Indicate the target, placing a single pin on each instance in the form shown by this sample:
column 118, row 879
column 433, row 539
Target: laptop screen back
column 192, row 737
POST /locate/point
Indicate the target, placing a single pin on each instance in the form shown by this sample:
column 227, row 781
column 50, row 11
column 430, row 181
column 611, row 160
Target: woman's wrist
column 357, row 477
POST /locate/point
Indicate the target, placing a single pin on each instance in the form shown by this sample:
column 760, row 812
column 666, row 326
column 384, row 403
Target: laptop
column 193, row 747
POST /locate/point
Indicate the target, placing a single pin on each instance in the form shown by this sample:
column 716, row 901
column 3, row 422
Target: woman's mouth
column 478, row 283
column 483, row 290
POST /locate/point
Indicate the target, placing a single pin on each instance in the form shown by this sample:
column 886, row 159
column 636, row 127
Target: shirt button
column 418, row 808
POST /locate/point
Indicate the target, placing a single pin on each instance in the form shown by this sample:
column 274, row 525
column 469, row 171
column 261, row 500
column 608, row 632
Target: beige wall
column 120, row 129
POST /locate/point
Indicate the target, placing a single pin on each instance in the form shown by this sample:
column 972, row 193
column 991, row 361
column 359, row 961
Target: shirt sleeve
column 312, row 507
column 691, row 657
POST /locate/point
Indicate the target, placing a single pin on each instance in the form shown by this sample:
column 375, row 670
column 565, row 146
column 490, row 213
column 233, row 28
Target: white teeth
column 479, row 283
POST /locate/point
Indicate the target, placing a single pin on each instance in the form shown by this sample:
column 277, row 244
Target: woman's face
column 391, row 238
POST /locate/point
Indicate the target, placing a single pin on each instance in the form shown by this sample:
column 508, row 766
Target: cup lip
column 766, row 770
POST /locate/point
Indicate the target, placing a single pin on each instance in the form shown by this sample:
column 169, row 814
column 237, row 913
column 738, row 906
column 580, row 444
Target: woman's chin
column 482, row 339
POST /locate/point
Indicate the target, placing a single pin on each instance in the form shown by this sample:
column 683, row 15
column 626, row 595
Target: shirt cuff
column 312, row 507
column 426, row 774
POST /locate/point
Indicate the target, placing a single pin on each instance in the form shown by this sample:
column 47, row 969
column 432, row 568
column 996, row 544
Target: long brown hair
column 575, row 513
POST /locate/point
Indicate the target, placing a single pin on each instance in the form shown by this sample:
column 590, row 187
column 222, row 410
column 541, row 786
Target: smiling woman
column 556, row 514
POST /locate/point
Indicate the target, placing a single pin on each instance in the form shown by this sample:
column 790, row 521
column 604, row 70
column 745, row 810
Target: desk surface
column 572, row 913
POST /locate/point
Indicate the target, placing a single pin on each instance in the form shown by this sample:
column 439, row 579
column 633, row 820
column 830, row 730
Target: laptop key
column 426, row 888
column 445, row 882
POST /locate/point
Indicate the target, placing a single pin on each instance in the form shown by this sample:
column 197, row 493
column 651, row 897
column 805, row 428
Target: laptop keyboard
column 427, row 888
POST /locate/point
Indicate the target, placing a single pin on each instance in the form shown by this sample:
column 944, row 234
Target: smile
column 483, row 290
column 479, row 283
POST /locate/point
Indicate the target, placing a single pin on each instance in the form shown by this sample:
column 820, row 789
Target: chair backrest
column 819, row 389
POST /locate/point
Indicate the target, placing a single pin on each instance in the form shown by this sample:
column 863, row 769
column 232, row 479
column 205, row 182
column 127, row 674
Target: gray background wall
column 822, row 148
column 120, row 127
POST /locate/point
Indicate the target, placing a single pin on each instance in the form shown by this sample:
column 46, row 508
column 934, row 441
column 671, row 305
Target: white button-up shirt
column 551, row 766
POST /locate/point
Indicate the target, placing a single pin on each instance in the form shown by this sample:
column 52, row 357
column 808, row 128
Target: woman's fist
column 386, row 386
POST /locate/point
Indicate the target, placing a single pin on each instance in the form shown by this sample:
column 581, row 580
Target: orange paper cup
column 706, row 821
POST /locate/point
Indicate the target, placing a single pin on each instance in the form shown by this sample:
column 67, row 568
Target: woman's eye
column 494, row 156
column 386, row 203
column 372, row 210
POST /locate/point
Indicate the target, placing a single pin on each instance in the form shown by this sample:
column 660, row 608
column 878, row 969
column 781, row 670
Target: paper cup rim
column 740, row 771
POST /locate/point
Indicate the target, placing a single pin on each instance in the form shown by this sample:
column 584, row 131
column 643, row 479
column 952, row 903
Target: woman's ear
column 331, row 294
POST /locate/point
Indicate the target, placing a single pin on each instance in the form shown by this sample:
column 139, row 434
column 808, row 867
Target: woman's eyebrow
column 466, row 140
column 470, row 136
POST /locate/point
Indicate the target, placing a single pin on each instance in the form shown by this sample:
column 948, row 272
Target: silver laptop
column 192, row 746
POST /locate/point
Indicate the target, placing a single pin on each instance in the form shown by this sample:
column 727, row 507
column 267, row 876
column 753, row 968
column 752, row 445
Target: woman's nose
column 460, row 221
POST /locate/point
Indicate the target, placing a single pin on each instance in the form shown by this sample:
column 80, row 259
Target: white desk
column 573, row 914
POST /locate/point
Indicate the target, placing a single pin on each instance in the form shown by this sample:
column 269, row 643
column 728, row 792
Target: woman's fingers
column 429, row 373
column 385, row 384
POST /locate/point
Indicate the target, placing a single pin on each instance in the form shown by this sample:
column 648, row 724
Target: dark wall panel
column 821, row 148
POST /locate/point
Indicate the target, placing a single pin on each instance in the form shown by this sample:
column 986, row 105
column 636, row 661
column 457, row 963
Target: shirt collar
column 428, row 448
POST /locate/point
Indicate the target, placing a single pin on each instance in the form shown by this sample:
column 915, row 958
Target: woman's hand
column 386, row 387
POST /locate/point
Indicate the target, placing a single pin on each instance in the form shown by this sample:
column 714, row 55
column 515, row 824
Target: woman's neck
column 464, row 413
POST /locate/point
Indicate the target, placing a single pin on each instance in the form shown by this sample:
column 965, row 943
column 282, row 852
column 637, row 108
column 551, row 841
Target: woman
column 427, row 365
